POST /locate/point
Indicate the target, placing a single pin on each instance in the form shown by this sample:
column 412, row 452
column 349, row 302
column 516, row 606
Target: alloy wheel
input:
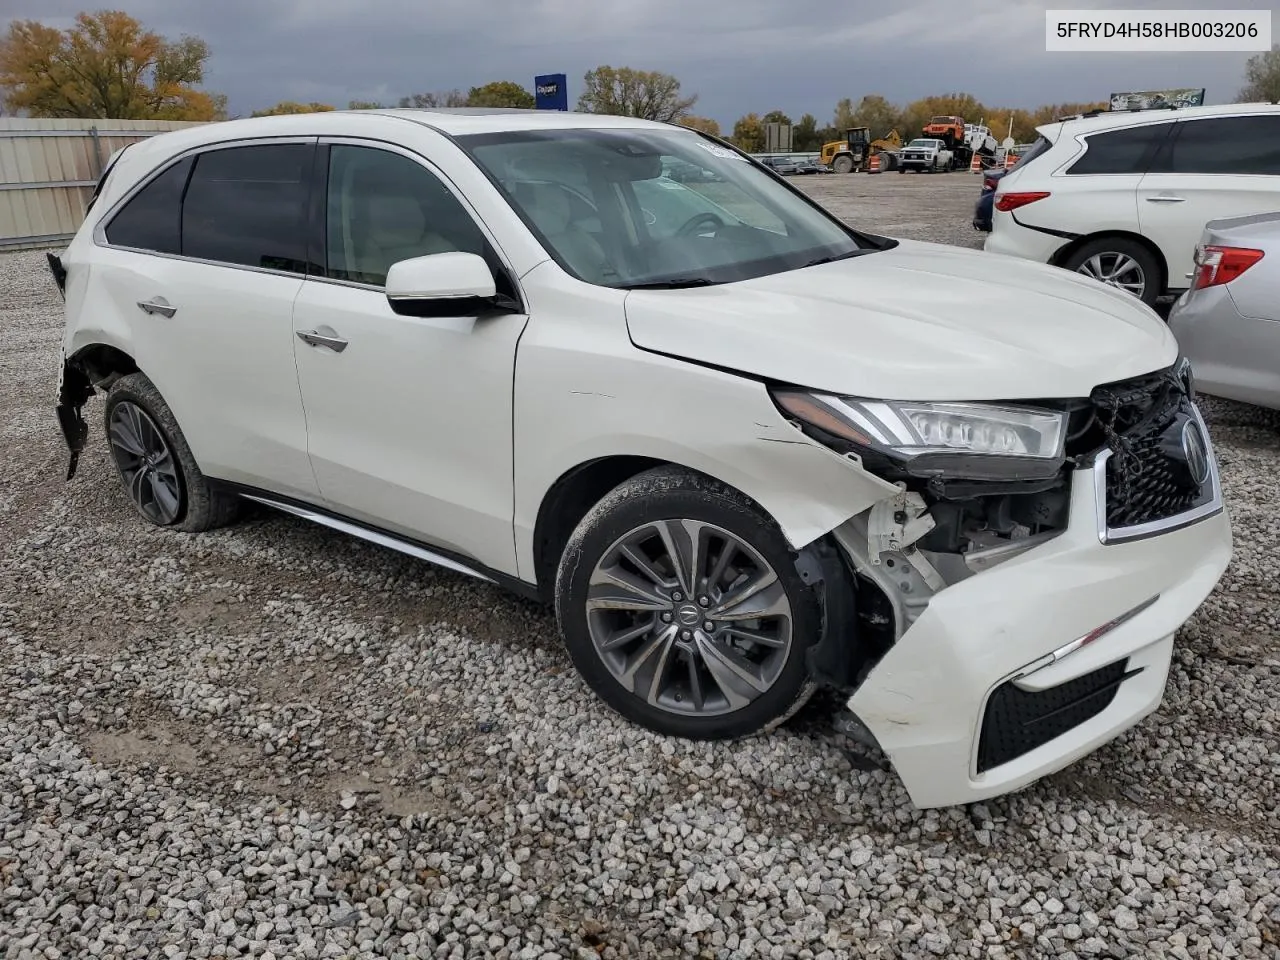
column 1117, row 270
column 689, row 617
column 146, row 463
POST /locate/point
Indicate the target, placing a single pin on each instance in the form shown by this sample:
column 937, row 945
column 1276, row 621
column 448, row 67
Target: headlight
column 976, row 441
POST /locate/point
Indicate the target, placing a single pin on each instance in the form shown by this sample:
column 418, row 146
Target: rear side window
column 1236, row 145
column 150, row 221
column 1042, row 144
column 248, row 205
column 1119, row 151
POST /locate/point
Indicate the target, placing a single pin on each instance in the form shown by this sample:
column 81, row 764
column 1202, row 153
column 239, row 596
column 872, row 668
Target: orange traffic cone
column 975, row 165
column 873, row 164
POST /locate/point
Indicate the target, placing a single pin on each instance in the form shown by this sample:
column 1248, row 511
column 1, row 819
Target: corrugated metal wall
column 48, row 169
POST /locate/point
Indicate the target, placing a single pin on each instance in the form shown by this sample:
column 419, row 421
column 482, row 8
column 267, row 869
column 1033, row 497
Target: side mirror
column 442, row 284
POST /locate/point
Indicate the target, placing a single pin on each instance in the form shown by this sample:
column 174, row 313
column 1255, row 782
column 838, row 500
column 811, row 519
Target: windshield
column 922, row 143
column 623, row 208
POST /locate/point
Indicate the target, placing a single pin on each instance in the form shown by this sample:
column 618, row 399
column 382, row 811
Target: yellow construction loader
column 852, row 153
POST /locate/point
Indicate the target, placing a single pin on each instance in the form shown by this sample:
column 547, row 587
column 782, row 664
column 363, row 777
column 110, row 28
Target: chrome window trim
column 1109, row 536
column 100, row 228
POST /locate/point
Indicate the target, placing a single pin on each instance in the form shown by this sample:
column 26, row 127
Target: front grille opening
column 1018, row 721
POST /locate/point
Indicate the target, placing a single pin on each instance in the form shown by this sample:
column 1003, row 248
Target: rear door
column 1102, row 183
column 1210, row 169
column 202, row 266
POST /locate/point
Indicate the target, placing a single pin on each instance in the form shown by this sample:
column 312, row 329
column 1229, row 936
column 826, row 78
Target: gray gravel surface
column 275, row 741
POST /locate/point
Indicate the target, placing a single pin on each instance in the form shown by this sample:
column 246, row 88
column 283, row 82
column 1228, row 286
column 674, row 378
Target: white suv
column 1124, row 197
column 744, row 449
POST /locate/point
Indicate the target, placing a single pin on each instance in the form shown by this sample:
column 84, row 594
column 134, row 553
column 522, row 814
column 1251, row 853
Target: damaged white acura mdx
column 619, row 366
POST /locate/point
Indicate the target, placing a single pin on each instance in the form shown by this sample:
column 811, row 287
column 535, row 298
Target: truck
column 962, row 139
column 925, row 154
column 849, row 154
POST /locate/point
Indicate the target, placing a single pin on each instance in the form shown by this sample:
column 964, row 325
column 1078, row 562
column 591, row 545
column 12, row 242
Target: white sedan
column 745, row 450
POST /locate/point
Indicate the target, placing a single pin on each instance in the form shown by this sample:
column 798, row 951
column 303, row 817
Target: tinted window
column 1120, row 151
column 150, row 220
column 1225, row 145
column 247, row 205
column 384, row 207
column 1040, row 146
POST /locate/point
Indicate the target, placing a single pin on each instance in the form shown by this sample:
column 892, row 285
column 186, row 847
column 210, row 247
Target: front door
column 409, row 418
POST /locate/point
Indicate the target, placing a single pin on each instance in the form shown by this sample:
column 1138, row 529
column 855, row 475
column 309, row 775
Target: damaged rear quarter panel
column 584, row 391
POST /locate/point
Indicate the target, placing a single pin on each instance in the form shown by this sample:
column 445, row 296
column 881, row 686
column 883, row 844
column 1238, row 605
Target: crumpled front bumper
column 926, row 698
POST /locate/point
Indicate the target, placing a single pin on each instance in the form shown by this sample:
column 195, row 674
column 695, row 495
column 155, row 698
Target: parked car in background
column 924, row 155
column 808, row 165
column 743, row 456
column 1123, row 197
column 986, row 198
column 781, row 165
column 1228, row 322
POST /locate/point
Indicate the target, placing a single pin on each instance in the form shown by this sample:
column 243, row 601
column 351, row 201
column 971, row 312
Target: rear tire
column 842, row 165
column 670, row 644
column 1121, row 263
column 159, row 474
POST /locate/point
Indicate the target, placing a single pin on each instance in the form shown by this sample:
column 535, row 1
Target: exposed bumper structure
column 1018, row 671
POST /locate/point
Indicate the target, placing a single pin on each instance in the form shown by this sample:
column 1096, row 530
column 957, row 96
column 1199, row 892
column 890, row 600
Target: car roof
column 1111, row 119
column 453, row 121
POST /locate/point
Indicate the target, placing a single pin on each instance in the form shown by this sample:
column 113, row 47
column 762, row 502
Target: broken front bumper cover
column 1075, row 633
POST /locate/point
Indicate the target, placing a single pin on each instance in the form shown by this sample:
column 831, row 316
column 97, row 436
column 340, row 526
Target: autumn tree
column 105, row 66
column 501, row 93
column 290, row 106
column 877, row 114
column 748, row 133
column 705, row 124
column 804, row 135
column 426, row 101
column 1262, row 78
column 625, row 92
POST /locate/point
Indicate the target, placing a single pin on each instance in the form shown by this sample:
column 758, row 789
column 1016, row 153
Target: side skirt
column 433, row 555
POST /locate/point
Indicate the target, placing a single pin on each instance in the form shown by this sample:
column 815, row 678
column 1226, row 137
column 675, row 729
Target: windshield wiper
column 839, row 256
column 677, row 283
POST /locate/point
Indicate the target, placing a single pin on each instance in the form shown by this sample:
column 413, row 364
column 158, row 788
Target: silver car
column 1228, row 322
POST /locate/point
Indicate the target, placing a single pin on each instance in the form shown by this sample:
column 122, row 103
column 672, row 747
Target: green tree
column 705, row 124
column 843, row 117
column 804, row 135
column 106, row 65
column 364, row 105
column 776, row 116
column 425, row 101
column 748, row 133
column 625, row 92
column 1262, row 78
column 291, row 106
column 501, row 93
column 877, row 114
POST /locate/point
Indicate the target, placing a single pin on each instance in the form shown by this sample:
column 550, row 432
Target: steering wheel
column 697, row 222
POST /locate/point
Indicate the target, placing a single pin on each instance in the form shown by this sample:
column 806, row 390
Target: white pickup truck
column 924, row 154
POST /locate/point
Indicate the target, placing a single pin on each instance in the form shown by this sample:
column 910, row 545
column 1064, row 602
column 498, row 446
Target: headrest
column 546, row 204
column 394, row 220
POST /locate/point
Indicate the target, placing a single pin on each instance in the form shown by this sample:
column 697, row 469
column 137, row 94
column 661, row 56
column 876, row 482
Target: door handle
column 336, row 344
column 1166, row 199
column 158, row 305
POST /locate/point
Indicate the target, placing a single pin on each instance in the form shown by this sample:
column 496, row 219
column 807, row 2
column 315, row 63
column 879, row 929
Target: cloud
column 737, row 55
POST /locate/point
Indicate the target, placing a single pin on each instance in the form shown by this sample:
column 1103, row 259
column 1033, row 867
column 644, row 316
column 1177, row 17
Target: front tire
column 843, row 165
column 159, row 474
column 1117, row 262
column 681, row 607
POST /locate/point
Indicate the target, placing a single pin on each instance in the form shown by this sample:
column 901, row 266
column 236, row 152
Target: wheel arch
column 1066, row 251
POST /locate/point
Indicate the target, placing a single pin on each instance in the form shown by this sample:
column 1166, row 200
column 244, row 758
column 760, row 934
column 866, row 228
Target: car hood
column 920, row 321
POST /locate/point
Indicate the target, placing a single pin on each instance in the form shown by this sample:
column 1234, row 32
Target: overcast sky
column 737, row 55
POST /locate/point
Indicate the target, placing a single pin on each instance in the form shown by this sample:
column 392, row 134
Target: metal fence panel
column 48, row 169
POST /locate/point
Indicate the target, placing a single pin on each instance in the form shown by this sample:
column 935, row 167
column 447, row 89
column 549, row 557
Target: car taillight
column 1012, row 201
column 1218, row 265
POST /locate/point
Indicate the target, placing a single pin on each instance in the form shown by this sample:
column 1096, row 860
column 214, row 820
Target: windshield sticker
column 718, row 151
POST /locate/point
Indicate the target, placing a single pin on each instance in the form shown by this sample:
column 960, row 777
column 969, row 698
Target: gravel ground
column 275, row 741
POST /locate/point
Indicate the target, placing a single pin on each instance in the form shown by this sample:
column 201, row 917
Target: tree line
column 107, row 65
